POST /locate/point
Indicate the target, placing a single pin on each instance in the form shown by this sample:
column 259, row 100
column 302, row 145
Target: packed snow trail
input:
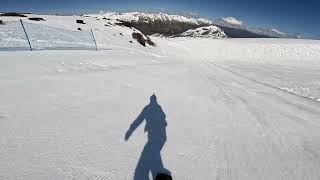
column 64, row 114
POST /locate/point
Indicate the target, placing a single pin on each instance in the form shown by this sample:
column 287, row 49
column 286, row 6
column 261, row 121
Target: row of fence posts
column 25, row 32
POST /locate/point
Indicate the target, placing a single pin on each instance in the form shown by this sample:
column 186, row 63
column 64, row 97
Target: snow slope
column 235, row 108
column 105, row 31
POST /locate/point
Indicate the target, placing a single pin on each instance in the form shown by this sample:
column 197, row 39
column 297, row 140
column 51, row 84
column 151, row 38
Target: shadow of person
column 150, row 159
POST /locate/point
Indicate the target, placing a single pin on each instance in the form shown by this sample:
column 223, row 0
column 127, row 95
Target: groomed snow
column 236, row 108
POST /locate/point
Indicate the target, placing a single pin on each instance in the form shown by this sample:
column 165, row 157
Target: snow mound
column 206, row 32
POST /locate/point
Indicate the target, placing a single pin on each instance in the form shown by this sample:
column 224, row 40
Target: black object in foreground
column 162, row 176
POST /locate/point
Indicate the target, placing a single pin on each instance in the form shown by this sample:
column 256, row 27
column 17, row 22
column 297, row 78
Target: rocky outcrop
column 79, row 21
column 36, row 19
column 205, row 32
column 13, row 14
column 142, row 39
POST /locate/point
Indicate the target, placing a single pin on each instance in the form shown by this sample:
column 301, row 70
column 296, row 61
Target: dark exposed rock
column 126, row 24
column 80, row 21
column 139, row 38
column 36, row 19
column 150, row 42
column 79, row 29
column 165, row 28
column 130, row 42
column 142, row 39
column 121, row 34
column 13, row 14
column 119, row 24
column 1, row 22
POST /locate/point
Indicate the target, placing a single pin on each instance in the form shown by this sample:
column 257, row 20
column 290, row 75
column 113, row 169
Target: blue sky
column 291, row 16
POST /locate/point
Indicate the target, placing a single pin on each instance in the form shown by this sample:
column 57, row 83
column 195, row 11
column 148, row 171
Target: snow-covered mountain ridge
column 153, row 17
column 156, row 23
column 174, row 25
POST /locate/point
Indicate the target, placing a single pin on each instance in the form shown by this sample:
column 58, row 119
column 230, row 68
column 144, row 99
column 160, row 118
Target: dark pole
column 25, row 32
column 94, row 40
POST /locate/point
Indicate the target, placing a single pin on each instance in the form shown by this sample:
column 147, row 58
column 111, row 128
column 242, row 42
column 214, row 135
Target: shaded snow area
column 229, row 109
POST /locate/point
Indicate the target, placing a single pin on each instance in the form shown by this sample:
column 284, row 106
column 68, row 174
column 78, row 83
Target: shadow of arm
column 135, row 124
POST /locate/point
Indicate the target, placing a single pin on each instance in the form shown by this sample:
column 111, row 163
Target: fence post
column 25, row 32
column 94, row 40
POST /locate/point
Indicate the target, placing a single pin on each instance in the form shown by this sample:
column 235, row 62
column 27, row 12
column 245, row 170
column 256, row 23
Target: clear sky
column 291, row 16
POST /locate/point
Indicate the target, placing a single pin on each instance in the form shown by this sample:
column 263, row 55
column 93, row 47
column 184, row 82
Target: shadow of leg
column 157, row 166
column 144, row 164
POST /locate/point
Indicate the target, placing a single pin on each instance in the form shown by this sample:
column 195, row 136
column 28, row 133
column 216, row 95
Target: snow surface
column 236, row 108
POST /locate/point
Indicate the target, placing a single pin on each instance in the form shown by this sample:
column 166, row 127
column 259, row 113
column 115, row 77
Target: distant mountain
column 242, row 31
column 234, row 32
column 176, row 25
column 158, row 23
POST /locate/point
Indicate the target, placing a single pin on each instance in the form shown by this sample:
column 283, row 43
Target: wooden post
column 25, row 32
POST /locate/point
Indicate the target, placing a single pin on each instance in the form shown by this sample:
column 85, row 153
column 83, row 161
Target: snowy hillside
column 52, row 33
column 229, row 109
